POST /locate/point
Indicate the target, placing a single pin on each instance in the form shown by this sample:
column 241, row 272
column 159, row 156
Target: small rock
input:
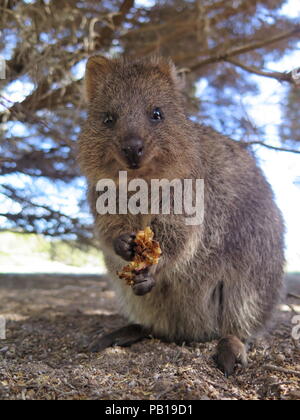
column 280, row 358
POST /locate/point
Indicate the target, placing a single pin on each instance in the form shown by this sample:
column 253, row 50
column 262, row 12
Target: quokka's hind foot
column 230, row 352
column 123, row 337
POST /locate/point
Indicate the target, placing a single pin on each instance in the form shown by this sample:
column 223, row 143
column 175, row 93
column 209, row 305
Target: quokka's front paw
column 143, row 283
column 124, row 246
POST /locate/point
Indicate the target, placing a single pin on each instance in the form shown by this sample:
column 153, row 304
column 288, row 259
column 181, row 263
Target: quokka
column 219, row 280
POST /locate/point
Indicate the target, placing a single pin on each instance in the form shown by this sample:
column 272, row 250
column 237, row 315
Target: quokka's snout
column 133, row 151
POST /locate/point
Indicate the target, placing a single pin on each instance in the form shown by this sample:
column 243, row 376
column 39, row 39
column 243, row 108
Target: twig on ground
column 282, row 370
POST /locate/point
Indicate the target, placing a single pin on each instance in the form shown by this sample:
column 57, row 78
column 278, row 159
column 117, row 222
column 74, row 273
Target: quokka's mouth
column 135, row 169
column 134, row 166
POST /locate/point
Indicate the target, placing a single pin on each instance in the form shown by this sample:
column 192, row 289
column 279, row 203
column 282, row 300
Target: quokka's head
column 136, row 118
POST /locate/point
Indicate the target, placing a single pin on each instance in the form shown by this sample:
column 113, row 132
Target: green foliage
column 23, row 250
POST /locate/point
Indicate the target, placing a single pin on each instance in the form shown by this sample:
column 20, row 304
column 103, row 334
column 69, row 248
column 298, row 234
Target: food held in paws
column 147, row 253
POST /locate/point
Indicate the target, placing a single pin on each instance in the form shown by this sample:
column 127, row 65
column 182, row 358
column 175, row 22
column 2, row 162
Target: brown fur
column 223, row 277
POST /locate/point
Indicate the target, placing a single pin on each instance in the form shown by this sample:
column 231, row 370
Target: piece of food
column 147, row 253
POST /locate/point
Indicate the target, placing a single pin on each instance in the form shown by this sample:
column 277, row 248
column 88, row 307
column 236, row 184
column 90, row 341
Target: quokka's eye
column 109, row 120
column 157, row 115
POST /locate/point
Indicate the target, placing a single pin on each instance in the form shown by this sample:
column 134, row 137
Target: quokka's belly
column 195, row 304
column 172, row 311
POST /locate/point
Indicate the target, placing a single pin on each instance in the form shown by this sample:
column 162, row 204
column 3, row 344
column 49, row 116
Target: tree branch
column 281, row 77
column 278, row 149
column 224, row 56
column 105, row 36
column 41, row 98
column 69, row 224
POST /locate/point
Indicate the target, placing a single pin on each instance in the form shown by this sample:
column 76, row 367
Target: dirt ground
column 51, row 319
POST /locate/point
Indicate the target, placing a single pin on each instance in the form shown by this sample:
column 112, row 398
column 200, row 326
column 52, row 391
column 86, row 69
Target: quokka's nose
column 133, row 150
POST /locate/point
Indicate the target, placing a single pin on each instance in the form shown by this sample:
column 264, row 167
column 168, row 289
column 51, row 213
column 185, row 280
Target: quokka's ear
column 167, row 67
column 96, row 70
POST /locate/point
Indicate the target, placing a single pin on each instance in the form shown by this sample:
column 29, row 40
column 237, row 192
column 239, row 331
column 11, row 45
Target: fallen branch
column 282, row 370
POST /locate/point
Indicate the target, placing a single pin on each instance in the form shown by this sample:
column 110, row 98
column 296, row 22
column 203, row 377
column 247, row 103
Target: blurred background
column 238, row 58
